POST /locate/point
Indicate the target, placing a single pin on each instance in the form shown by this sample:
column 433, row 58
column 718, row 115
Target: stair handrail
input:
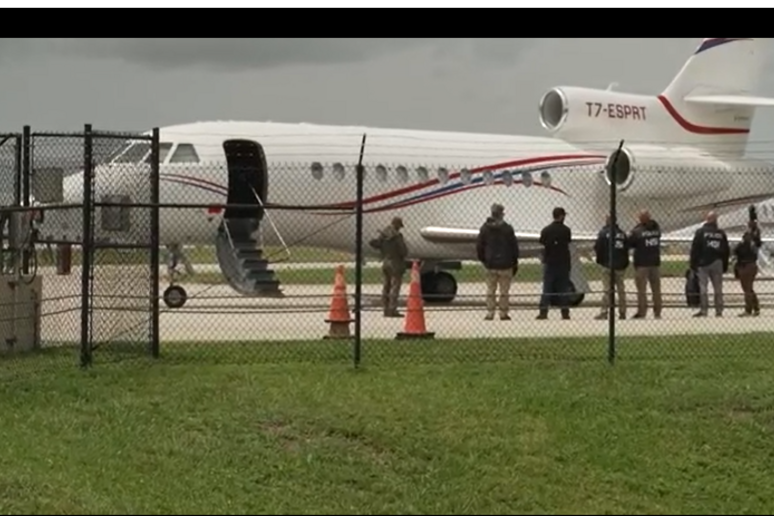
column 271, row 221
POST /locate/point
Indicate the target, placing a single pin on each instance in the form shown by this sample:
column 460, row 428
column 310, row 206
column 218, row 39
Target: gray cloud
column 221, row 53
column 465, row 84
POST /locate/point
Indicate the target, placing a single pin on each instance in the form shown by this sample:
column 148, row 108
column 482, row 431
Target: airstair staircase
column 241, row 257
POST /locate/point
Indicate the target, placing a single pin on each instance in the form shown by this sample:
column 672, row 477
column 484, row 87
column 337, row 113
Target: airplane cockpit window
column 508, row 177
column 402, row 173
column 136, row 153
column 465, row 176
column 338, row 171
column 317, row 170
column 185, row 153
column 164, row 148
column 423, row 174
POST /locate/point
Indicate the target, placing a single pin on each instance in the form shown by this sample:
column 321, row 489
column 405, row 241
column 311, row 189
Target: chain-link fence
column 208, row 247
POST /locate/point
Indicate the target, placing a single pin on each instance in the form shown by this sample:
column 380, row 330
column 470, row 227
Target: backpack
column 692, row 289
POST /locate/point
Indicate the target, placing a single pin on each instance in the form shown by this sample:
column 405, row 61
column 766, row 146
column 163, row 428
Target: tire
column 175, row 296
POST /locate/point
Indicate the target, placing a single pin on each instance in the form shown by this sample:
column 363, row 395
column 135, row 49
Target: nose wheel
column 174, row 296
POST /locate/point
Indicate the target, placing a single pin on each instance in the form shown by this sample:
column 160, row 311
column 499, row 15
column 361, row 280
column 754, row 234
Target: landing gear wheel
column 576, row 298
column 438, row 287
column 175, row 296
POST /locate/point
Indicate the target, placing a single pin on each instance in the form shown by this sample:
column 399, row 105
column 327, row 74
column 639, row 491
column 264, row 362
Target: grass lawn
column 528, row 273
column 513, row 437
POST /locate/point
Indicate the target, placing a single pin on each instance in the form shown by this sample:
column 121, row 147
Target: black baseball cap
column 558, row 212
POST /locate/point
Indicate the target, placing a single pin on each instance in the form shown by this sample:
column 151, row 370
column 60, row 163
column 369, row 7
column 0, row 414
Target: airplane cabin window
column 402, row 173
column 381, row 172
column 317, row 170
column 185, row 153
column 507, row 177
column 465, row 176
column 136, row 153
column 443, row 175
column 526, row 178
column 338, row 171
column 489, row 177
column 423, row 174
column 545, row 178
column 164, row 149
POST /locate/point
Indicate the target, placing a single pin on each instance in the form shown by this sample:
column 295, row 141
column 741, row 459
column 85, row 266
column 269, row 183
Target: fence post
column 359, row 256
column 87, row 248
column 155, row 245
column 613, row 176
column 25, row 186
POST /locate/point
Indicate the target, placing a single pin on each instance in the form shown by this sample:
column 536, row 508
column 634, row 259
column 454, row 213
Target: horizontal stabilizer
column 731, row 100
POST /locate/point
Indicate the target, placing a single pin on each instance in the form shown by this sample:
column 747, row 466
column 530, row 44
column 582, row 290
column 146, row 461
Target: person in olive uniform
column 394, row 253
column 710, row 254
column 619, row 266
column 557, row 264
column 645, row 240
column 746, row 254
column 498, row 250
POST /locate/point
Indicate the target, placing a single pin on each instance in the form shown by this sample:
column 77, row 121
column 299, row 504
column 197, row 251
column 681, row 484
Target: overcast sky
column 487, row 85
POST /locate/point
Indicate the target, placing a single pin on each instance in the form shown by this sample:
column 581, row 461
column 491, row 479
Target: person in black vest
column 619, row 266
column 746, row 268
column 645, row 240
column 557, row 264
column 710, row 254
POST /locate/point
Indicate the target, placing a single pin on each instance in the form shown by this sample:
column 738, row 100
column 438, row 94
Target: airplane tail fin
column 716, row 87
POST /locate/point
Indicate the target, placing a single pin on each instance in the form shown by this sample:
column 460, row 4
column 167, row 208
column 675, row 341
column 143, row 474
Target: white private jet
column 683, row 154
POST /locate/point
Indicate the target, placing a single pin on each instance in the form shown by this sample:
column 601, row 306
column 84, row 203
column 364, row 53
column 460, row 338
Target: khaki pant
column 619, row 287
column 502, row 279
column 392, row 278
column 642, row 277
column 747, row 273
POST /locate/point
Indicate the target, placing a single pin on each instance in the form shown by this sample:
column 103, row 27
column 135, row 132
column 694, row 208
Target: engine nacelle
column 648, row 171
column 576, row 114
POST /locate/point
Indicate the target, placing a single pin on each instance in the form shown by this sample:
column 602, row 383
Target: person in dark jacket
column 710, row 254
column 557, row 264
column 645, row 240
column 746, row 255
column 392, row 246
column 619, row 266
column 498, row 250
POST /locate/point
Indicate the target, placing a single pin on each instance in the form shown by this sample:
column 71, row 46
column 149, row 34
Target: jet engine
column 584, row 114
column 645, row 171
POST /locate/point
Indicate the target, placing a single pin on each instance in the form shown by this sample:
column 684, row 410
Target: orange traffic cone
column 339, row 314
column 414, row 323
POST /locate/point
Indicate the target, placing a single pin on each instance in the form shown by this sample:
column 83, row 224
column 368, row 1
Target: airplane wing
column 459, row 235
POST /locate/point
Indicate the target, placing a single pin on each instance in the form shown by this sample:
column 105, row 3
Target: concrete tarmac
column 216, row 313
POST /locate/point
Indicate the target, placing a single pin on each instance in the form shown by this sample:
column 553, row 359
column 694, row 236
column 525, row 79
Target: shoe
column 541, row 317
column 745, row 314
column 718, row 314
column 640, row 316
column 566, row 316
column 699, row 314
column 505, row 317
column 489, row 318
column 756, row 313
column 393, row 314
column 622, row 316
column 656, row 316
column 600, row 317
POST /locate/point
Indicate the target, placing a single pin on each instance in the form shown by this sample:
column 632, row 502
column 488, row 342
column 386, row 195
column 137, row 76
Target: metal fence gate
column 101, row 220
